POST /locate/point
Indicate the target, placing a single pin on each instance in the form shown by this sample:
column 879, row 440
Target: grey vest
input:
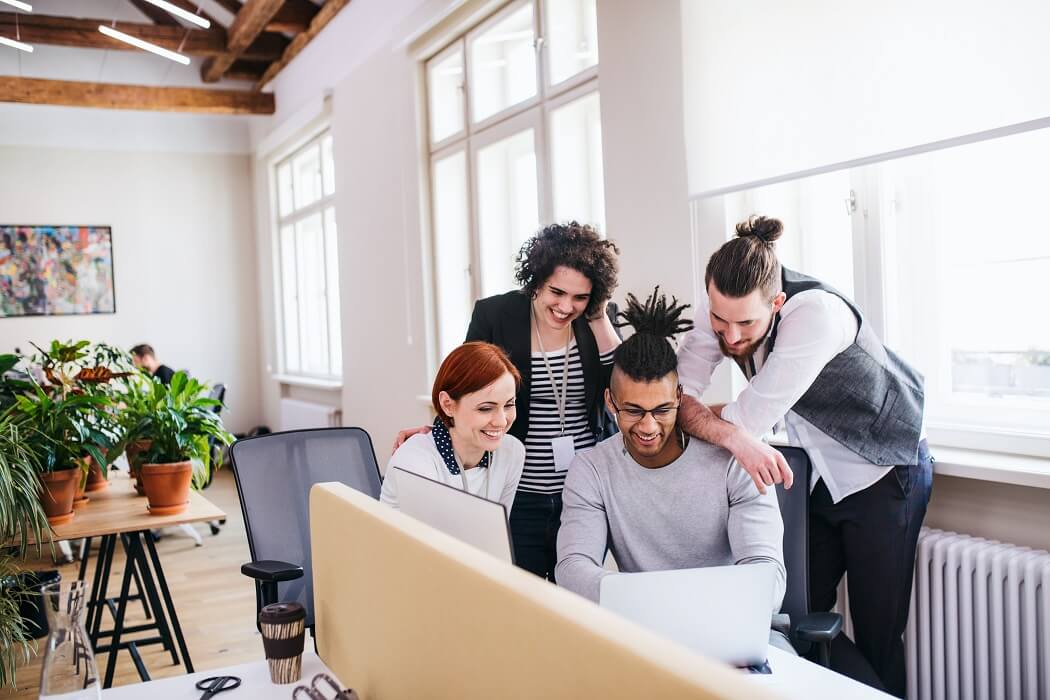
column 867, row 398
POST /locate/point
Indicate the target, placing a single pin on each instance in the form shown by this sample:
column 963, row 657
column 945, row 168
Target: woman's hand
column 599, row 313
column 406, row 434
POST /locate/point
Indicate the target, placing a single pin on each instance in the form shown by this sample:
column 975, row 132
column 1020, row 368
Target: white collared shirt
column 814, row 327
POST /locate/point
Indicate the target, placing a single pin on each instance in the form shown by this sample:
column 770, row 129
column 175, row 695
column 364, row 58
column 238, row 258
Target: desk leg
column 118, row 624
column 150, row 591
column 85, row 556
column 167, row 600
column 98, row 589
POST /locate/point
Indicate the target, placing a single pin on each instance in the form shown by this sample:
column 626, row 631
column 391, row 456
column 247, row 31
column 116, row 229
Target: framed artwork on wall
column 56, row 270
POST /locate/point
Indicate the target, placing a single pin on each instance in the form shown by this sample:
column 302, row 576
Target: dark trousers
column 534, row 522
column 871, row 536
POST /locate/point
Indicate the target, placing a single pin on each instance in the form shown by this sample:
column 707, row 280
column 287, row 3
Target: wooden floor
column 216, row 604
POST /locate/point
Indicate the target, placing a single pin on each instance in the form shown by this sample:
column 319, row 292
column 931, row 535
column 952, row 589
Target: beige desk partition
column 405, row 612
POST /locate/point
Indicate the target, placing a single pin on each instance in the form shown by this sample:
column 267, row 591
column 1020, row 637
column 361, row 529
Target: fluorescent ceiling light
column 179, row 12
column 144, row 45
column 24, row 6
column 16, row 44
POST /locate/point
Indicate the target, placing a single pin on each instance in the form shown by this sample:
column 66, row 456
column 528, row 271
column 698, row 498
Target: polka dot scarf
column 444, row 444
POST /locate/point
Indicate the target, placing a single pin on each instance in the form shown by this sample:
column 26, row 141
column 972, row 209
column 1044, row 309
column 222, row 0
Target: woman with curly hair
column 558, row 331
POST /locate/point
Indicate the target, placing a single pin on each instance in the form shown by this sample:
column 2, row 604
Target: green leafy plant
column 16, row 647
column 181, row 421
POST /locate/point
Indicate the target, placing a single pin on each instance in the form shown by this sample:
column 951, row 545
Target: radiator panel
column 979, row 627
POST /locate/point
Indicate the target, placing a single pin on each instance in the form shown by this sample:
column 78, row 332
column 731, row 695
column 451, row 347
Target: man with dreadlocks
column 658, row 498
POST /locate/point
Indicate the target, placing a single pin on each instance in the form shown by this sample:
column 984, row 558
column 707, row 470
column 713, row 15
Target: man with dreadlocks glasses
column 658, row 498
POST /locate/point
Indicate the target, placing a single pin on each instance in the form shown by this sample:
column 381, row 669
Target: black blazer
column 504, row 320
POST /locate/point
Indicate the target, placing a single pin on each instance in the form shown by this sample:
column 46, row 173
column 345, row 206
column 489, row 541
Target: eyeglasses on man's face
column 633, row 414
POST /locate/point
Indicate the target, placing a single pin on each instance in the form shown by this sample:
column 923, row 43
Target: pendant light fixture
column 181, row 13
column 144, row 45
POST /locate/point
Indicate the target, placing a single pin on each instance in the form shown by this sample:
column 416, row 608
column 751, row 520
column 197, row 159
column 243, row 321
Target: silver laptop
column 472, row 519
column 722, row 612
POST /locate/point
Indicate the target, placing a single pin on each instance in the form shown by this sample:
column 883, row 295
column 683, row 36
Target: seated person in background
column 652, row 493
column 469, row 447
column 145, row 358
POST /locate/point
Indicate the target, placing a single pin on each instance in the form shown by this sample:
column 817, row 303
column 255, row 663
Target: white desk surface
column 792, row 677
column 795, row 677
column 255, row 683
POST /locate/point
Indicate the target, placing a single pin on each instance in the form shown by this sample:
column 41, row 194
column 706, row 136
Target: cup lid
column 281, row 613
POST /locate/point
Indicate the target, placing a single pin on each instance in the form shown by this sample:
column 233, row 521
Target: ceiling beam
column 83, row 33
column 326, row 14
column 247, row 26
column 293, row 17
column 248, row 71
column 140, row 97
column 231, row 6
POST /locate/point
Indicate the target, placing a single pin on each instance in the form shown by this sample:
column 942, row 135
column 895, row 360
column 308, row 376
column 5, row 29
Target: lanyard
column 559, row 399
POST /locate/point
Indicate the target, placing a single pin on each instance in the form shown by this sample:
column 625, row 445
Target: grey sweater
column 700, row 510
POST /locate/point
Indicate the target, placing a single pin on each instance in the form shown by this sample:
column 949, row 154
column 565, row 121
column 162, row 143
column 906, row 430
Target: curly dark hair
column 574, row 245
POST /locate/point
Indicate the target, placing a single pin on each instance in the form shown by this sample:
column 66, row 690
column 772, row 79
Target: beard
column 741, row 355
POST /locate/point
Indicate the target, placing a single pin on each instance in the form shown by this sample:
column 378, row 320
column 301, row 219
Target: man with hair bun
column 814, row 364
column 654, row 497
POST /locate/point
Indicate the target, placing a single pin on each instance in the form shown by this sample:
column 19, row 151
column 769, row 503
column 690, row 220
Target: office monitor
column 467, row 517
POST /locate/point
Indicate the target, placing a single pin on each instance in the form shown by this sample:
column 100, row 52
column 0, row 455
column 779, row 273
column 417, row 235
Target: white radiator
column 296, row 415
column 980, row 620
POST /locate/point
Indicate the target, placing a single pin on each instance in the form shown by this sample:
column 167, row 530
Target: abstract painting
column 56, row 270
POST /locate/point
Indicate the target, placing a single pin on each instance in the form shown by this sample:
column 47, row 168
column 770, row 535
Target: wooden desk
column 119, row 509
column 118, row 512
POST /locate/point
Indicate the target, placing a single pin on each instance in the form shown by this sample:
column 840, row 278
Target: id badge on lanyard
column 564, row 450
column 563, row 446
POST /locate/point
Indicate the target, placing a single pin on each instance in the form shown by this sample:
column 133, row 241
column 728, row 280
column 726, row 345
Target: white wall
column 183, row 255
column 775, row 87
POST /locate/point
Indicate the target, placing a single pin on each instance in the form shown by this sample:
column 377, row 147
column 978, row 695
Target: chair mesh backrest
column 274, row 474
column 794, row 509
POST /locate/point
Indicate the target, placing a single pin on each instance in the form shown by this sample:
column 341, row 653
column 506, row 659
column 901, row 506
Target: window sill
column 332, row 384
column 1019, row 470
column 998, row 467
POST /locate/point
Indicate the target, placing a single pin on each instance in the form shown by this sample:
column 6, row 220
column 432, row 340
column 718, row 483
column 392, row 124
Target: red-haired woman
column 469, row 448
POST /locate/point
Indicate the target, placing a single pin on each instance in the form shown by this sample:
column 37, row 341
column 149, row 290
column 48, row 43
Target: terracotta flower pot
column 134, row 453
column 57, row 490
column 167, row 486
column 96, row 480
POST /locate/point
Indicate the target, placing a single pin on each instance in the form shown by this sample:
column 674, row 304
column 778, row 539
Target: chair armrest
column 269, row 570
column 819, row 628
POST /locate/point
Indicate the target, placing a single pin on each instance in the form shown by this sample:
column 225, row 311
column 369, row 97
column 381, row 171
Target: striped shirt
column 539, row 475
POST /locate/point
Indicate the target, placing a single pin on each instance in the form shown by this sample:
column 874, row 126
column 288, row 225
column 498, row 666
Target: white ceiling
column 95, row 65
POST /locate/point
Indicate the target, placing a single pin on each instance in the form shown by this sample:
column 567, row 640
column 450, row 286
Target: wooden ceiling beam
column 325, row 15
column 248, row 71
column 138, row 97
column 83, row 33
column 231, row 6
column 246, row 28
column 293, row 17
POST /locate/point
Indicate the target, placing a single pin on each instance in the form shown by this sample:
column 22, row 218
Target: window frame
column 872, row 220
column 534, row 111
column 314, row 137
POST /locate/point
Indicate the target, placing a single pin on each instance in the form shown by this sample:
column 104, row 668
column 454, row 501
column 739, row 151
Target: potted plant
column 181, row 424
column 136, row 405
column 74, row 420
column 22, row 519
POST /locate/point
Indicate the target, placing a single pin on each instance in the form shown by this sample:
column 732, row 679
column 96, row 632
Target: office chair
column 274, row 474
column 805, row 628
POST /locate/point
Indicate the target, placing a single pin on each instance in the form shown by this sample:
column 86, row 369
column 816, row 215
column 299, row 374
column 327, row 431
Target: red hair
column 471, row 367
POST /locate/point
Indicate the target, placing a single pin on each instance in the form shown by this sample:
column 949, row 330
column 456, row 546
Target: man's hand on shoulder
column 764, row 464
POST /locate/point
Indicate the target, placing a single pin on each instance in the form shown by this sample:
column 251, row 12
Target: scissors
column 217, row 684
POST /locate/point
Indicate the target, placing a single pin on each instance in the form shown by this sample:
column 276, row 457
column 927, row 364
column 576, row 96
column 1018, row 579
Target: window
column 947, row 254
column 307, row 275
column 515, row 142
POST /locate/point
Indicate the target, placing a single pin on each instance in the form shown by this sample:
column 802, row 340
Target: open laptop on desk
column 721, row 612
column 472, row 519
